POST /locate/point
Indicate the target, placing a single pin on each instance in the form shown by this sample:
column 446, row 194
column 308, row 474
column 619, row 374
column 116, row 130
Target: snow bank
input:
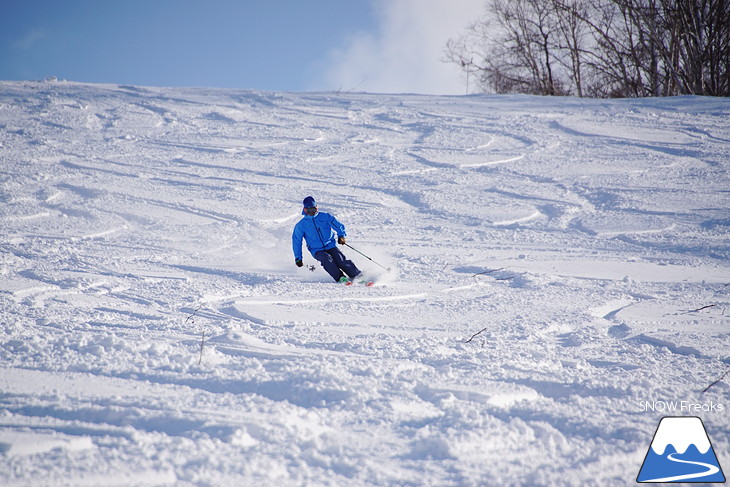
column 555, row 263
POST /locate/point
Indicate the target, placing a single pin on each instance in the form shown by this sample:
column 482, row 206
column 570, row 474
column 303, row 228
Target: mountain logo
column 681, row 452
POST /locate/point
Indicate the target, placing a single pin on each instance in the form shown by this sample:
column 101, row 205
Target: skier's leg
column 347, row 266
column 329, row 264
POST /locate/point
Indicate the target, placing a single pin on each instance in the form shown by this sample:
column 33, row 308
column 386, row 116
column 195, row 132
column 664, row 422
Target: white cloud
column 406, row 52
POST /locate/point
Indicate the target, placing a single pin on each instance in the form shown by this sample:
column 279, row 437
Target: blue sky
column 276, row 45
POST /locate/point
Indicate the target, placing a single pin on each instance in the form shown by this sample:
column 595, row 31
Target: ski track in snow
column 555, row 262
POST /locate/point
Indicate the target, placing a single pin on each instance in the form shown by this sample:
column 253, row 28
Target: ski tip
column 361, row 283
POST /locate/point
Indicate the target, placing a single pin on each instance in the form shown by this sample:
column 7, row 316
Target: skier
column 323, row 232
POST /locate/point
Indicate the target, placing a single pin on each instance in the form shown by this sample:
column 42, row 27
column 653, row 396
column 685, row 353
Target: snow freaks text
column 683, row 407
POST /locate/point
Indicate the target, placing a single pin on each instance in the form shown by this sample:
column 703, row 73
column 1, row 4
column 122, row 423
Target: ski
column 360, row 283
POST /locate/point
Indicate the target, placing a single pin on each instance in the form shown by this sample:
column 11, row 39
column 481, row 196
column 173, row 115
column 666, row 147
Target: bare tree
column 513, row 52
column 603, row 48
column 469, row 51
column 700, row 46
column 572, row 34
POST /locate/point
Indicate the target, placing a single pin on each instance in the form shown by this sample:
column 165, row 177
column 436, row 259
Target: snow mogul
column 323, row 232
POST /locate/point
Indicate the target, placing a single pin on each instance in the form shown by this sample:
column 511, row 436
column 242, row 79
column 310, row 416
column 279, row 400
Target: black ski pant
column 335, row 263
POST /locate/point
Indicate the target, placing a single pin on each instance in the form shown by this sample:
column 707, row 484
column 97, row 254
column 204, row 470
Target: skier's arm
column 296, row 243
column 338, row 227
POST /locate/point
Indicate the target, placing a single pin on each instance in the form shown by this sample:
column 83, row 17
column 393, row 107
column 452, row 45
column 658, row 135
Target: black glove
column 299, row 263
column 341, row 240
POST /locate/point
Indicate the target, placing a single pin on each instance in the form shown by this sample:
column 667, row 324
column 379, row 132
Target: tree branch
column 716, row 382
column 475, row 335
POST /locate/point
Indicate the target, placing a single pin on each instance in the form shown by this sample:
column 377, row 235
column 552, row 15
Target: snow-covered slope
column 557, row 266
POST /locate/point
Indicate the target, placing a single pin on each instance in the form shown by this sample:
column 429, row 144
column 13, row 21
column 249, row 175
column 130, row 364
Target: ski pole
column 369, row 258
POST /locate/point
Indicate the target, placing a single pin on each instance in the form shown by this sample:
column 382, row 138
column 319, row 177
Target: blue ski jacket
column 320, row 231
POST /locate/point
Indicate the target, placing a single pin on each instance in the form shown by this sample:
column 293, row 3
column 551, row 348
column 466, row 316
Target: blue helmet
column 309, row 202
